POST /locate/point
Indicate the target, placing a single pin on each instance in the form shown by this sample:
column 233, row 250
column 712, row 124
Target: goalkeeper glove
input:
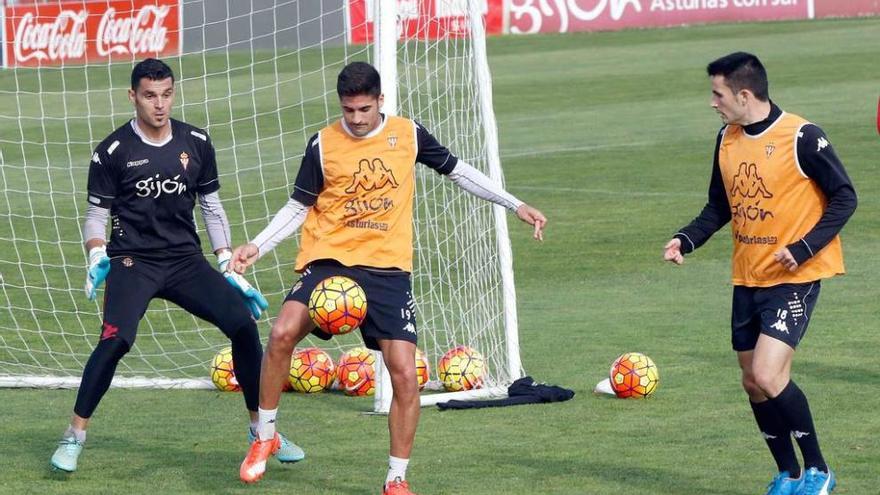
column 99, row 267
column 252, row 297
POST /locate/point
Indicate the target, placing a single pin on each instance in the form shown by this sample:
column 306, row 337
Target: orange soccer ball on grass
column 423, row 371
column 461, row 368
column 223, row 371
column 356, row 373
column 634, row 375
column 311, row 370
column 337, row 305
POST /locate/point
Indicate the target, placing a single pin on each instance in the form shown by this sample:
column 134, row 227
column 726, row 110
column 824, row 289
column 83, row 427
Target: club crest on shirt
column 392, row 140
column 184, row 159
column 127, row 262
column 769, row 149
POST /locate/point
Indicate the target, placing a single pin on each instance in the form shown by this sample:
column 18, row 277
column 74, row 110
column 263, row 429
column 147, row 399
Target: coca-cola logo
column 86, row 31
column 143, row 32
column 62, row 38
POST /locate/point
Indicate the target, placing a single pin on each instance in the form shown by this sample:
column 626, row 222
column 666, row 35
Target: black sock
column 98, row 374
column 791, row 404
column 778, row 439
column 247, row 357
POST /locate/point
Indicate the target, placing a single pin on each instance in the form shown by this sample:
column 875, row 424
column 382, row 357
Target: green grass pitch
column 611, row 136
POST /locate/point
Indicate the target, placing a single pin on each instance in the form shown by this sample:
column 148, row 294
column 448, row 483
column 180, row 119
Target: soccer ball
column 461, row 368
column 311, row 370
column 423, row 372
column 356, row 373
column 337, row 305
column 634, row 375
column 223, row 373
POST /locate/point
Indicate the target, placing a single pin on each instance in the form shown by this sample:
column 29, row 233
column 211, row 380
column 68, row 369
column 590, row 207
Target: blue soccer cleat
column 288, row 452
column 815, row 482
column 66, row 454
column 783, row 484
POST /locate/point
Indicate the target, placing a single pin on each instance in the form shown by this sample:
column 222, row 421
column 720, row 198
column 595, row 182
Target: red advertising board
column 561, row 16
column 81, row 32
column 424, row 19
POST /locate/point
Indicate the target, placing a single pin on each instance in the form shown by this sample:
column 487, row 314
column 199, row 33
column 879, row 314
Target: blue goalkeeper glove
column 252, row 297
column 99, row 267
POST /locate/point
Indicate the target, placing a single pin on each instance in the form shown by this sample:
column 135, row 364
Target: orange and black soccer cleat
column 397, row 487
column 254, row 465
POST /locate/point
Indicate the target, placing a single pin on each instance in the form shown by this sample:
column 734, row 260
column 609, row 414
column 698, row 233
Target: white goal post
column 260, row 78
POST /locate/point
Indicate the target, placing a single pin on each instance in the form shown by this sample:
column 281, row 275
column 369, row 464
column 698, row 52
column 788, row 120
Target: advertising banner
column 424, row 19
column 563, row 16
column 82, row 32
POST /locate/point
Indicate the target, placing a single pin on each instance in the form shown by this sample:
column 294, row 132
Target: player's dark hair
column 742, row 70
column 358, row 78
column 151, row 68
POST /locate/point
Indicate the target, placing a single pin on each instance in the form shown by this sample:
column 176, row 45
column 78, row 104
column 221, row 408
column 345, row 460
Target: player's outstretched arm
column 98, row 269
column 672, row 251
column 252, row 297
column 532, row 217
column 243, row 257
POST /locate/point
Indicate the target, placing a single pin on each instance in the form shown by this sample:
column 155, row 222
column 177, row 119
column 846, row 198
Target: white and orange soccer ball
column 634, row 375
column 223, row 371
column 423, row 371
column 311, row 370
column 461, row 368
column 356, row 372
column 337, row 305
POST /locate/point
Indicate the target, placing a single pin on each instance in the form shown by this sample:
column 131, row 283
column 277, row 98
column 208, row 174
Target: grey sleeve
column 477, row 183
column 287, row 221
column 216, row 222
column 95, row 224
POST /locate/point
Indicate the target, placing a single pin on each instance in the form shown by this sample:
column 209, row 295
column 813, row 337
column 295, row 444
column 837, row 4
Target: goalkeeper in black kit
column 146, row 177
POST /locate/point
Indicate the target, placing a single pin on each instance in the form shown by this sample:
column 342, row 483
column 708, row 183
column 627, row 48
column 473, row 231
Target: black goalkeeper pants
column 191, row 283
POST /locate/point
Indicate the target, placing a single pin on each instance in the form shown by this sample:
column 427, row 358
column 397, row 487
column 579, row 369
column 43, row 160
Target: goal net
column 260, row 76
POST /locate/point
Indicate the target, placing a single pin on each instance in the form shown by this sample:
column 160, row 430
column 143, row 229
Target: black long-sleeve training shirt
column 824, row 168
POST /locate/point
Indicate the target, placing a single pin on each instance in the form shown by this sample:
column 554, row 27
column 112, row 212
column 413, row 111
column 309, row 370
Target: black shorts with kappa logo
column 187, row 281
column 391, row 312
column 781, row 312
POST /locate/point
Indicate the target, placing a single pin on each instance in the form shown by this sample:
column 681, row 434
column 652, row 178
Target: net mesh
column 260, row 92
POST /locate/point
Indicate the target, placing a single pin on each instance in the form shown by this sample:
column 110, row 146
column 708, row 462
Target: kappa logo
column 767, row 436
column 822, row 143
column 137, row 163
column 800, row 434
column 409, row 327
column 748, row 184
column 96, row 158
column 780, row 325
column 769, row 149
column 371, row 175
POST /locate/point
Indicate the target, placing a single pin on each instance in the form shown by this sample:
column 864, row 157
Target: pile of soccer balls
column 338, row 305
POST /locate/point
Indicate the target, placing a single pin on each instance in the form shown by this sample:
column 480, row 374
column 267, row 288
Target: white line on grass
column 609, row 191
column 551, row 151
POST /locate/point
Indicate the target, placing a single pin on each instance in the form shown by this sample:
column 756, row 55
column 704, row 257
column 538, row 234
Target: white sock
column 266, row 428
column 80, row 435
column 396, row 469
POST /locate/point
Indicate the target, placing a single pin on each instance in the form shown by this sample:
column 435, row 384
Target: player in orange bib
column 353, row 198
column 778, row 181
